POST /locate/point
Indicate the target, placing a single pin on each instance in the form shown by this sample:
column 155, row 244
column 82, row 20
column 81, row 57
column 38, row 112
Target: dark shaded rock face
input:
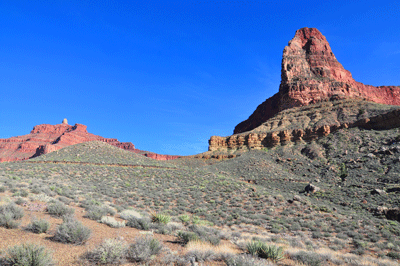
column 48, row 138
column 311, row 73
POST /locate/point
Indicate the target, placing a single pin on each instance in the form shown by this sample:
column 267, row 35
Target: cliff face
column 310, row 73
column 304, row 124
column 48, row 138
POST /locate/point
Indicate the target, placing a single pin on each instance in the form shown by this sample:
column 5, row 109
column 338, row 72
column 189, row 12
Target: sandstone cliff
column 311, row 73
column 310, row 123
column 48, row 138
column 316, row 97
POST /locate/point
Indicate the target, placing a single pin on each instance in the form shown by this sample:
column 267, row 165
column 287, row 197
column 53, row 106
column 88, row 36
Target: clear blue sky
column 167, row 75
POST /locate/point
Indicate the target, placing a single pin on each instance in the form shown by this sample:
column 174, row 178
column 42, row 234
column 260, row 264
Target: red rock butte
column 48, row 138
column 311, row 73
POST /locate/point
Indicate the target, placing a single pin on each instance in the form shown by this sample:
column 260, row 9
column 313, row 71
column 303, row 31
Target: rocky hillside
column 46, row 138
column 317, row 96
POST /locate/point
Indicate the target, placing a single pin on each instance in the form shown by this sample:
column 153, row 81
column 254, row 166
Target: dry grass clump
column 204, row 251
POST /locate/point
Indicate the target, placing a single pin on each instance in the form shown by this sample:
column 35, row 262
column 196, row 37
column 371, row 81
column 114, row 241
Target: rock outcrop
column 48, row 138
column 310, row 73
column 310, row 123
column 316, row 97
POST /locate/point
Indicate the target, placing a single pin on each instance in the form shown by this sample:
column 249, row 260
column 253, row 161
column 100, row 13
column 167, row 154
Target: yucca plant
column 272, row 253
column 254, row 247
column 160, row 218
column 262, row 250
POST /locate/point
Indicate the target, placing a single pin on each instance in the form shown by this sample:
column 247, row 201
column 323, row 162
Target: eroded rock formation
column 310, row 73
column 310, row 123
column 48, row 138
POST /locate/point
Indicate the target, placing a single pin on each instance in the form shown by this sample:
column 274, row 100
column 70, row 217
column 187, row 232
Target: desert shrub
column 254, row 247
column 160, row 218
column 272, row 253
column 184, row 218
column 2, row 189
column 64, row 200
column 38, row 226
column 9, row 214
column 72, row 231
column 144, row 249
column 110, row 221
column 17, row 212
column 23, row 193
column 307, row 258
column 185, row 237
column 206, row 234
column 246, row 260
column 59, row 209
column 201, row 255
column 138, row 223
column 20, row 201
column 262, row 250
column 95, row 212
column 393, row 255
column 111, row 251
column 7, row 221
column 127, row 214
column 29, row 255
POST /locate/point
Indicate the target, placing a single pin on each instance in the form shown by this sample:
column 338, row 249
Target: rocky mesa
column 311, row 76
column 48, row 138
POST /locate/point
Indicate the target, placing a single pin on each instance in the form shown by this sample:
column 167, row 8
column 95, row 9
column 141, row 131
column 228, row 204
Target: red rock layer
column 311, row 73
column 48, row 138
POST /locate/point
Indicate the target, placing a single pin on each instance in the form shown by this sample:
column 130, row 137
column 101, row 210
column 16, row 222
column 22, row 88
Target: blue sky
column 167, row 75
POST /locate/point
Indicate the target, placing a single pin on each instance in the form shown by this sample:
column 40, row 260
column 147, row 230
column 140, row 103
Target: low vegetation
column 255, row 202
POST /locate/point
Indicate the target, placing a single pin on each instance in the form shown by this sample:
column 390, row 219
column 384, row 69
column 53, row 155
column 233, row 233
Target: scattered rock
column 310, row 188
column 378, row 191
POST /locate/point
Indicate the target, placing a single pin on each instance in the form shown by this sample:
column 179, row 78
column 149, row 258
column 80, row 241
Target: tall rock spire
column 311, row 73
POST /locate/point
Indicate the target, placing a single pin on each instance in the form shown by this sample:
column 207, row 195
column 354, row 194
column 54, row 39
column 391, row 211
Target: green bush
column 72, row 231
column 138, row 223
column 254, row 247
column 262, row 250
column 184, row 218
column 59, row 209
column 272, row 253
column 111, row 251
column 185, row 237
column 29, row 255
column 144, row 249
column 7, row 221
column 308, row 258
column 39, row 226
column 17, row 212
column 9, row 214
column 160, row 218
column 95, row 212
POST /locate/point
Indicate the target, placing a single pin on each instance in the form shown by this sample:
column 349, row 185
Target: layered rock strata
column 310, row 123
column 48, row 138
column 310, row 73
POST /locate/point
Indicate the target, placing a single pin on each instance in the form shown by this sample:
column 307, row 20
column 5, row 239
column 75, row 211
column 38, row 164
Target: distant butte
column 310, row 73
column 48, row 138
